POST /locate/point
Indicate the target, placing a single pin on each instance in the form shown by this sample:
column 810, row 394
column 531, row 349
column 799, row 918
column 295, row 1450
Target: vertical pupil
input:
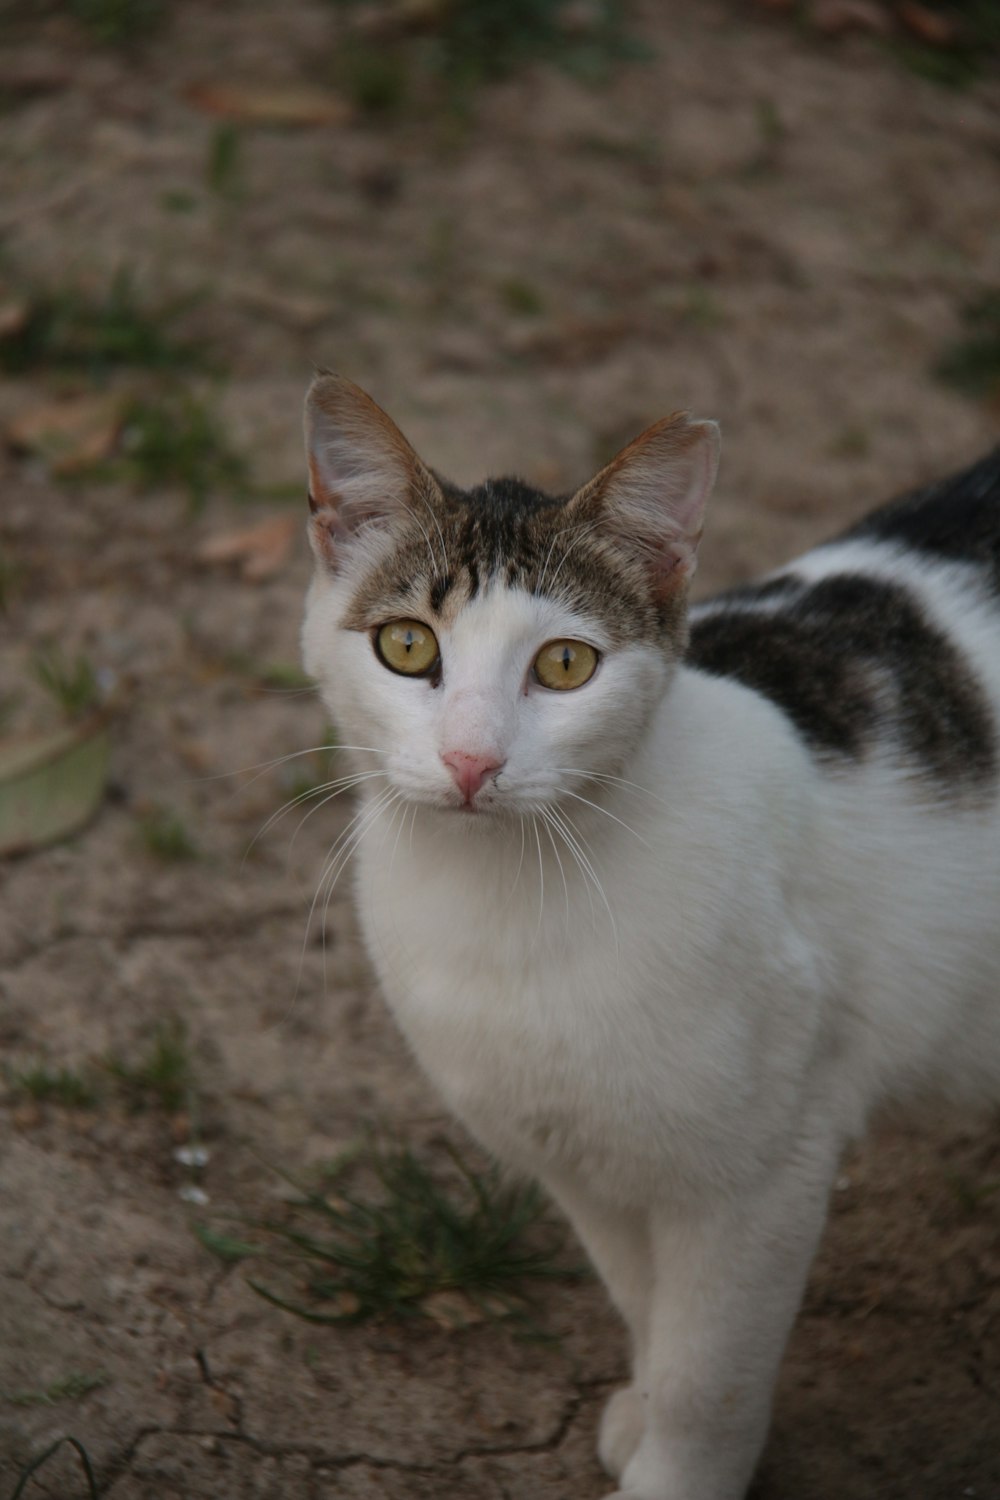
column 567, row 657
column 408, row 639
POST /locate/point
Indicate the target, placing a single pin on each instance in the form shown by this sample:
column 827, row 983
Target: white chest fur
column 649, row 1020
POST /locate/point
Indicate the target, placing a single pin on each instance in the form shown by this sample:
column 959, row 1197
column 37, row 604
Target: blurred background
column 528, row 229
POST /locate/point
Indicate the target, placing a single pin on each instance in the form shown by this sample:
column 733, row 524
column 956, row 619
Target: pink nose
column 470, row 771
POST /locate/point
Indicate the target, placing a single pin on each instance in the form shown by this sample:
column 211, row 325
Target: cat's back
column 879, row 652
column 882, row 646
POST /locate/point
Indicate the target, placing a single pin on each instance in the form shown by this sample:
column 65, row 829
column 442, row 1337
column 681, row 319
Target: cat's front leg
column 727, row 1285
column 618, row 1243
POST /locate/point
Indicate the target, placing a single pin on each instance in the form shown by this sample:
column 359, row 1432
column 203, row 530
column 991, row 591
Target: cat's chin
column 481, row 813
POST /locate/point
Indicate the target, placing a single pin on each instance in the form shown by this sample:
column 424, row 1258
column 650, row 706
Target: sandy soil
column 768, row 228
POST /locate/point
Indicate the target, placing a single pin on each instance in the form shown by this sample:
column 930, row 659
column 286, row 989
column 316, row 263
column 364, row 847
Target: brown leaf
column 451, row 1310
column 835, row 17
column 927, row 25
column 260, row 550
column 70, row 434
column 270, row 103
column 32, row 71
column 13, row 317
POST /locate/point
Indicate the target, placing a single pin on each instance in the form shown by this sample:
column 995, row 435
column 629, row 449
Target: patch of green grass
column 701, row 308
column 8, row 704
column 389, row 1234
column 69, row 1388
column 974, row 49
column 521, row 298
column 771, row 134
column 163, row 1077
column 55, row 1086
column 375, row 78
column 165, row 836
column 972, row 363
column 75, row 330
column 174, row 439
column 485, row 39
column 71, row 682
column 223, row 168
column 971, row 1196
column 466, row 43
column 119, row 23
column 852, row 441
column 641, row 150
column 284, row 677
column 226, row 1247
column 178, row 201
column 9, row 577
column 272, row 676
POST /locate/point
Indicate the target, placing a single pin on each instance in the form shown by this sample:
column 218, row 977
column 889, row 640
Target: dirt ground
column 766, row 226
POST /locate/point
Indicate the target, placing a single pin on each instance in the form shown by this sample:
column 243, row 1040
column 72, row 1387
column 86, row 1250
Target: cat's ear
column 361, row 468
column 652, row 496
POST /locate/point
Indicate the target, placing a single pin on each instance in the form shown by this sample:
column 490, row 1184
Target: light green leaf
column 51, row 784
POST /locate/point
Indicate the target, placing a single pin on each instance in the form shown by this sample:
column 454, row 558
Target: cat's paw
column 620, row 1430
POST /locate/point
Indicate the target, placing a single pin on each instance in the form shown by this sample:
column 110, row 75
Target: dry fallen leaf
column 27, row 72
column 69, row 434
column 834, row 17
column 14, row 315
column 451, row 1310
column 927, row 25
column 270, row 103
column 51, row 784
column 259, row 550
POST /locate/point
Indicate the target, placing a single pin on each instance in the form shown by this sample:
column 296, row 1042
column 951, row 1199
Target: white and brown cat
column 683, row 894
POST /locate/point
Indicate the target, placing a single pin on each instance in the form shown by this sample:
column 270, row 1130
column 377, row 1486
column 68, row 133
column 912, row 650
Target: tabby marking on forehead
column 506, row 533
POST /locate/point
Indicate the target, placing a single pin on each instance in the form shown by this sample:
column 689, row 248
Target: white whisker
column 343, row 783
column 541, row 878
column 581, row 531
column 443, row 570
column 565, row 792
column 343, row 849
column 435, row 565
column 548, row 829
column 574, row 848
column 576, row 842
column 606, row 776
column 280, row 760
column 517, row 872
column 349, row 784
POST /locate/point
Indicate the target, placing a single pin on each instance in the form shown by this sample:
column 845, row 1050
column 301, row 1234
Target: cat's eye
column 565, row 664
column 408, row 647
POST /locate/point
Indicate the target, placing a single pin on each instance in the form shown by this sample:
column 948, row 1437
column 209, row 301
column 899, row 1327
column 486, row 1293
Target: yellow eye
column 565, row 664
column 407, row 646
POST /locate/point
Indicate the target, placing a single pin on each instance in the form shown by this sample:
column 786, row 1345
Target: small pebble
column 191, row 1156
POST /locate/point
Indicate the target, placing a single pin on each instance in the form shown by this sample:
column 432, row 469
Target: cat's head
column 492, row 647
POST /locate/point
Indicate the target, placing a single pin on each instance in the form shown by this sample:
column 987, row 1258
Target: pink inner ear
column 655, row 492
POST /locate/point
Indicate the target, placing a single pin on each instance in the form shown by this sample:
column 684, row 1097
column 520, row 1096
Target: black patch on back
column 957, row 519
column 855, row 664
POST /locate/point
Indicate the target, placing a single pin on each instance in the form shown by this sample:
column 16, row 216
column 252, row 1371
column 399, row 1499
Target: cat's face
column 491, row 649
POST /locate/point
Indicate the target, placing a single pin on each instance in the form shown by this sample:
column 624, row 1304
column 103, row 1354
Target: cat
column 665, row 898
